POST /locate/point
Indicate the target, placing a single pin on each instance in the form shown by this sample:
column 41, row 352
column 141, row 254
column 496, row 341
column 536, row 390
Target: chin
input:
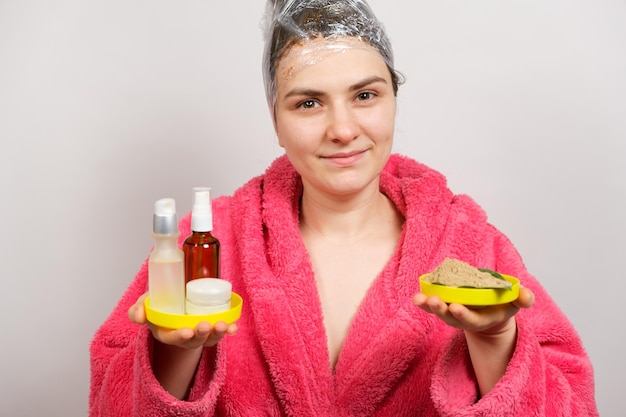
column 353, row 185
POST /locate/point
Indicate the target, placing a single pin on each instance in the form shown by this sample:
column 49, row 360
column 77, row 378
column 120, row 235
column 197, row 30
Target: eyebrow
column 368, row 81
column 354, row 87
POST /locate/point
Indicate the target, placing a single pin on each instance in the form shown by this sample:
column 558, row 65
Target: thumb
column 526, row 298
column 137, row 312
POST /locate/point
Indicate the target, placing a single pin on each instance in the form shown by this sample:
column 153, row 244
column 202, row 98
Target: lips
column 344, row 159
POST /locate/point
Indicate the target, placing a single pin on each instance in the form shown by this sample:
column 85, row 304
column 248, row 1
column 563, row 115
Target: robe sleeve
column 549, row 374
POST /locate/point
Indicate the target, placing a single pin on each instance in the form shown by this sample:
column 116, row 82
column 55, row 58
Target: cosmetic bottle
column 201, row 248
column 166, row 271
column 208, row 296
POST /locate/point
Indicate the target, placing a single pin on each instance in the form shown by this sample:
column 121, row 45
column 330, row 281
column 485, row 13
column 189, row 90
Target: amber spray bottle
column 201, row 248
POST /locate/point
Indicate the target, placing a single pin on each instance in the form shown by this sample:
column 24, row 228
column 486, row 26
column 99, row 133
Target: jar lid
column 209, row 291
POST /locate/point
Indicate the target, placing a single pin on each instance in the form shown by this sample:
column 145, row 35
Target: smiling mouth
column 340, row 155
column 345, row 158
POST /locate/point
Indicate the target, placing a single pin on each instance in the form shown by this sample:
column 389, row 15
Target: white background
column 106, row 106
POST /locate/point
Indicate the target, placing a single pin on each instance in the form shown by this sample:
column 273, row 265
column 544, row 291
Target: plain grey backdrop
column 106, row 106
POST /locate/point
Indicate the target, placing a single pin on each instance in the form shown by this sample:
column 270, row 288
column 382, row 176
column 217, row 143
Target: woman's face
column 335, row 113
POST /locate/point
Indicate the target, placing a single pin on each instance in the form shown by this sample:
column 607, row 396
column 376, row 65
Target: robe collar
column 285, row 303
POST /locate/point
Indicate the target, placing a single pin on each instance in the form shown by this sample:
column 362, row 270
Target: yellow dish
column 177, row 321
column 472, row 296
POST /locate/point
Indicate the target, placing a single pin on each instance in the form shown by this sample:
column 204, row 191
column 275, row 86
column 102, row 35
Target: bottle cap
column 209, row 291
column 201, row 213
column 164, row 221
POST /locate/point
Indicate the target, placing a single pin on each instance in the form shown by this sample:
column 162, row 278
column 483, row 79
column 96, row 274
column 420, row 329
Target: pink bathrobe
column 396, row 360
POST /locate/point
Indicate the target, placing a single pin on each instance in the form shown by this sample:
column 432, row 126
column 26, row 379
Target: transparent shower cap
column 288, row 22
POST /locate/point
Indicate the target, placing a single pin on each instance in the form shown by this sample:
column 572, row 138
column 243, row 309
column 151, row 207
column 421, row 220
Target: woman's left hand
column 486, row 320
column 490, row 332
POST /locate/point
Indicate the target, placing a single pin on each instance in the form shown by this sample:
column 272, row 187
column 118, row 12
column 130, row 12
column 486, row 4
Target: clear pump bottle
column 201, row 248
column 166, row 273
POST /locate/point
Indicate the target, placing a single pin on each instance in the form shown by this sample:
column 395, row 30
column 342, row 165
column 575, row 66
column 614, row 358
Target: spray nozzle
column 201, row 213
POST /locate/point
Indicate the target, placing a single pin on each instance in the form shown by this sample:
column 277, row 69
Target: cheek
column 279, row 135
column 390, row 123
column 281, row 129
column 381, row 126
column 294, row 133
column 287, row 133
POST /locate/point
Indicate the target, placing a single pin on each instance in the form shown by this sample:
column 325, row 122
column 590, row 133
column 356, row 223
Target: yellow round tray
column 472, row 296
column 177, row 321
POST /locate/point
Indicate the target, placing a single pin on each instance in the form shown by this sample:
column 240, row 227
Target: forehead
column 307, row 53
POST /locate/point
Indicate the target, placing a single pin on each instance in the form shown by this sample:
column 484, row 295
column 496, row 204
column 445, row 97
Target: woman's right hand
column 176, row 352
column 203, row 335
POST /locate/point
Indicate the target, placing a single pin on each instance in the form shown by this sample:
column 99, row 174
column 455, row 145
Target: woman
column 325, row 248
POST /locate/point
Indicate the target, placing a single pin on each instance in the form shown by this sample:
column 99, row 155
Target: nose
column 343, row 124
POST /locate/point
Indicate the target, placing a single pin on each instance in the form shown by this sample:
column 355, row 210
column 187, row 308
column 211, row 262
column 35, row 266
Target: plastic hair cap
column 289, row 22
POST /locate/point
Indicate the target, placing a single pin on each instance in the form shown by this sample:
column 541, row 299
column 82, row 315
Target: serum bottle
column 166, row 273
column 201, row 249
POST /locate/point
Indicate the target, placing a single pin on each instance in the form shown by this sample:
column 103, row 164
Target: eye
column 308, row 104
column 365, row 96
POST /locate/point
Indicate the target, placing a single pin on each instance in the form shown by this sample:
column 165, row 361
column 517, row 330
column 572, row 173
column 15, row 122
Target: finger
column 137, row 312
column 493, row 319
column 202, row 335
column 437, row 306
column 182, row 337
column 432, row 304
column 419, row 299
column 210, row 336
column 232, row 329
column 198, row 336
column 462, row 314
column 203, row 331
column 525, row 299
column 218, row 333
column 465, row 317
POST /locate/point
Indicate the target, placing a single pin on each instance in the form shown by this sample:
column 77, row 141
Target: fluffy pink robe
column 396, row 360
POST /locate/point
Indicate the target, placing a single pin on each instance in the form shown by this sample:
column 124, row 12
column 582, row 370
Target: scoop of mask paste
column 456, row 273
